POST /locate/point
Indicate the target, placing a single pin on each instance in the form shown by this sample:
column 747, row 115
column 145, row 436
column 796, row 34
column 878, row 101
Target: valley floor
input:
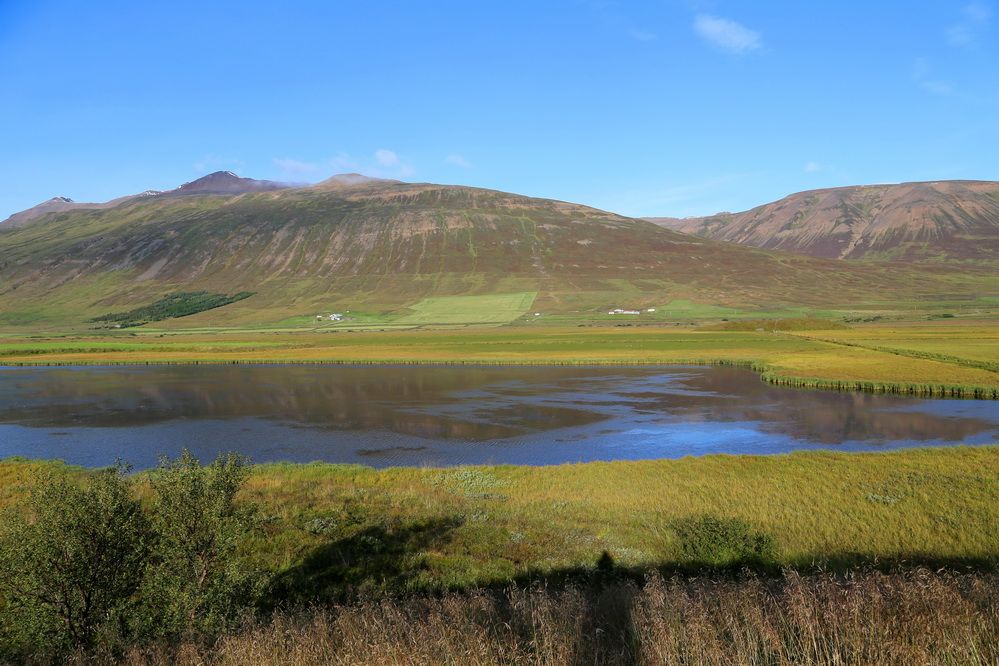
column 945, row 357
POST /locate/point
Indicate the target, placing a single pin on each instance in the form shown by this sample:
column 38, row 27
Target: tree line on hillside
column 180, row 304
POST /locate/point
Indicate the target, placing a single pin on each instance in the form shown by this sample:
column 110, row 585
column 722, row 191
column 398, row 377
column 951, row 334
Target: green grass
column 420, row 529
column 773, row 325
column 482, row 309
column 953, row 357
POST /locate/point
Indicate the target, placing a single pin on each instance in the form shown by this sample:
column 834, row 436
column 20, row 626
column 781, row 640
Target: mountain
column 953, row 220
column 217, row 183
column 226, row 182
column 351, row 180
column 62, row 204
column 381, row 246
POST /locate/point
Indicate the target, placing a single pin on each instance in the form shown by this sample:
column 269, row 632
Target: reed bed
column 917, row 616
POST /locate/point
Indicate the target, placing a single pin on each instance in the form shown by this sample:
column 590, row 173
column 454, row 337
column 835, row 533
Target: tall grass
column 926, row 390
column 870, row 618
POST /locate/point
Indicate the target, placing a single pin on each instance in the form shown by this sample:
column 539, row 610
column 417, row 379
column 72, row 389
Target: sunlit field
column 326, row 526
column 954, row 358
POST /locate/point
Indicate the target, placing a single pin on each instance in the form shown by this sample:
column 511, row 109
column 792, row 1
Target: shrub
column 196, row 585
column 72, row 561
column 84, row 569
column 722, row 542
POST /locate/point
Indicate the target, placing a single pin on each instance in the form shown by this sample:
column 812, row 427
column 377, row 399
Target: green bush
column 195, row 586
column 85, row 569
column 73, row 559
column 712, row 541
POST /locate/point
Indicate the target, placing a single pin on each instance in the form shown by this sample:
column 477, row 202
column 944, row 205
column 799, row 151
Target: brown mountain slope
column 954, row 220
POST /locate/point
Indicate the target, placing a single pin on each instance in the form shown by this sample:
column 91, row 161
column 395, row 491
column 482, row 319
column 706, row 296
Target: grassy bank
column 951, row 360
column 329, row 528
column 811, row 558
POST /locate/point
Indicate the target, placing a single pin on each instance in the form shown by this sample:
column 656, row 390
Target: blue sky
column 645, row 108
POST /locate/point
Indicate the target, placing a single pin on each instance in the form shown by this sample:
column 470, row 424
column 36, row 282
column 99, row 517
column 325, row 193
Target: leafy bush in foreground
column 86, row 569
column 72, row 564
column 195, row 584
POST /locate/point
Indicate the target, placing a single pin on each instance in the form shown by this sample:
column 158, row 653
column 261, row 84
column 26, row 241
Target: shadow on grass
column 380, row 560
column 377, row 559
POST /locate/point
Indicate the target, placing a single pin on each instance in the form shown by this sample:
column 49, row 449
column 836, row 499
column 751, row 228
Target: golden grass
column 931, row 504
column 954, row 359
column 868, row 619
column 459, row 527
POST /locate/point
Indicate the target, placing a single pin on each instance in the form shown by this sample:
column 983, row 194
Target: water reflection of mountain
column 825, row 417
column 463, row 403
column 399, row 399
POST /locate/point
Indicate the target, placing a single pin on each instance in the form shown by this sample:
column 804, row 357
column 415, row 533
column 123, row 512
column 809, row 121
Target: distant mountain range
column 63, row 204
column 954, row 220
column 381, row 245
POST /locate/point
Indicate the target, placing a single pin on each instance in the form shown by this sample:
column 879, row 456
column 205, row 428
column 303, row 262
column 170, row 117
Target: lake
column 450, row 415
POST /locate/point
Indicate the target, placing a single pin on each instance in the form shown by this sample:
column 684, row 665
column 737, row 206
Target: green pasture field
column 484, row 309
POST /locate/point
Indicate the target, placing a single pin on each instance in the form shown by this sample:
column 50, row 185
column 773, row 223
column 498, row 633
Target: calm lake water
column 431, row 415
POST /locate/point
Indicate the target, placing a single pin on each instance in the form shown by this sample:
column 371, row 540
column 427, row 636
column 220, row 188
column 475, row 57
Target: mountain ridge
column 949, row 219
column 381, row 246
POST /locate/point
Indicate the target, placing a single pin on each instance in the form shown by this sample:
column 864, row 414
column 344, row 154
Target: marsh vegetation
column 814, row 558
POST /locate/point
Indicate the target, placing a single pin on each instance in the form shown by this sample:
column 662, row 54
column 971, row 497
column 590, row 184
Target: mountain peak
column 226, row 182
column 53, row 205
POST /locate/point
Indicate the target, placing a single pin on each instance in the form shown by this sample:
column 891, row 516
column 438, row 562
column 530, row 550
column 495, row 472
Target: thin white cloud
column 386, row 158
column 390, row 165
column 941, row 88
column 342, row 162
column 295, row 167
column 609, row 14
column 975, row 19
column 458, row 161
column 726, row 34
column 704, row 197
column 922, row 74
column 381, row 163
column 812, row 167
